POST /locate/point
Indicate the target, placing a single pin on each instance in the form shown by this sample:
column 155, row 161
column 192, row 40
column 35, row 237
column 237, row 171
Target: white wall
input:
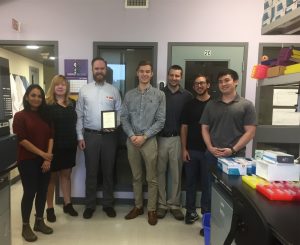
column 20, row 65
column 77, row 23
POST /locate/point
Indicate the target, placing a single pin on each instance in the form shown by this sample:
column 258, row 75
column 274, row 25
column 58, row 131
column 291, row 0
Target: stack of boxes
column 287, row 62
column 276, row 166
column 275, row 9
column 275, row 171
column 275, row 176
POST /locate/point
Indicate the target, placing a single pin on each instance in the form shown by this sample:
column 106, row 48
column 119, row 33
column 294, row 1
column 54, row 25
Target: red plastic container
column 259, row 72
column 280, row 191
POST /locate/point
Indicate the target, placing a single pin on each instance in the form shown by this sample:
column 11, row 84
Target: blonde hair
column 50, row 96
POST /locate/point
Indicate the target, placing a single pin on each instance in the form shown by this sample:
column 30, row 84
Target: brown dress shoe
column 152, row 218
column 135, row 212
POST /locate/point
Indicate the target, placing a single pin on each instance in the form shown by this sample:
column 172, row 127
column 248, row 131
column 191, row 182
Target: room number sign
column 207, row 52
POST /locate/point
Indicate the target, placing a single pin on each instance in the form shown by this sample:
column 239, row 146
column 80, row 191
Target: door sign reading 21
column 207, row 52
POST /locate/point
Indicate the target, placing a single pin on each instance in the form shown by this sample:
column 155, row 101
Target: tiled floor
column 103, row 230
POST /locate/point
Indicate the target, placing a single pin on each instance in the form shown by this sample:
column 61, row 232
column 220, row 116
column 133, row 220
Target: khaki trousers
column 148, row 153
column 169, row 172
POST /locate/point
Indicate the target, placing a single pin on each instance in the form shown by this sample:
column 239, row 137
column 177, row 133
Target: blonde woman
column 63, row 115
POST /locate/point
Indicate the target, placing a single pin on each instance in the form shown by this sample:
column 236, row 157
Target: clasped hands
column 220, row 152
column 47, row 161
column 137, row 140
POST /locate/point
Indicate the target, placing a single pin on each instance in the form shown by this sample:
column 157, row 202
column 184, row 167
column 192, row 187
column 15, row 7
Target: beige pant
column 148, row 153
column 169, row 168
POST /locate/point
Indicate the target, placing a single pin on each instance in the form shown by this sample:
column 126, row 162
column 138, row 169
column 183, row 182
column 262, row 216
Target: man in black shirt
column 193, row 149
column 169, row 161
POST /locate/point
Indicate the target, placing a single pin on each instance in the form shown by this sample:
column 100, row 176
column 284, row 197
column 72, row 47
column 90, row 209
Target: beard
column 99, row 79
column 200, row 93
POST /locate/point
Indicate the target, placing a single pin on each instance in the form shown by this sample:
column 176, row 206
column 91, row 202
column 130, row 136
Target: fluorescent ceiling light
column 32, row 47
column 51, row 58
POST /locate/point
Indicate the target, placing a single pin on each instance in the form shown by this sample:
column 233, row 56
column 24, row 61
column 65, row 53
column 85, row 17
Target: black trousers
column 35, row 186
column 100, row 152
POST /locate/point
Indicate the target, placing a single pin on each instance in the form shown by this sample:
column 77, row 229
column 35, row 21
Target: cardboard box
column 274, row 172
column 275, row 71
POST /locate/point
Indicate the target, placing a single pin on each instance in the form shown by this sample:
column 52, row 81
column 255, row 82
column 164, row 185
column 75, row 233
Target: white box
column 277, row 157
column 230, row 167
column 274, row 172
column 258, row 154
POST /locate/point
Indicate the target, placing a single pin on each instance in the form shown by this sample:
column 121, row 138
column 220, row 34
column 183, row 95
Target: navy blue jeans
column 194, row 169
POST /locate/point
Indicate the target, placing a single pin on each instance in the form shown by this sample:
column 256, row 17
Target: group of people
column 46, row 132
column 166, row 130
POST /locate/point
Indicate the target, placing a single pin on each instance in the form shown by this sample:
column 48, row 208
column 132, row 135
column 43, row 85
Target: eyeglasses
column 199, row 83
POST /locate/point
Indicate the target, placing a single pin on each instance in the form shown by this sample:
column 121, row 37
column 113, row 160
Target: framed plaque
column 109, row 119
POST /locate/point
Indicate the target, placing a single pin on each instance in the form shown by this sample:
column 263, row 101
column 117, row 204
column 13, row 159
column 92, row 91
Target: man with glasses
column 169, row 147
column 193, row 149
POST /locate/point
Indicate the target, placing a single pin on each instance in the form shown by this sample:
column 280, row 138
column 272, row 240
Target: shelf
column 288, row 24
column 280, row 80
column 277, row 134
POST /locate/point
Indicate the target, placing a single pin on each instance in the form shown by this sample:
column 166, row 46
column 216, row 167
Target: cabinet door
column 4, row 194
column 5, row 230
column 221, row 215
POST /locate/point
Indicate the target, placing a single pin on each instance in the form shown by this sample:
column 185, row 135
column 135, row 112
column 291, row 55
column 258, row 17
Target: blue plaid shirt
column 143, row 113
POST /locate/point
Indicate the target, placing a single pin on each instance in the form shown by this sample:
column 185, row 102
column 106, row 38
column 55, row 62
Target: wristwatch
column 233, row 152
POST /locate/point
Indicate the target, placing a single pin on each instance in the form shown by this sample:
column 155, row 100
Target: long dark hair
column 43, row 109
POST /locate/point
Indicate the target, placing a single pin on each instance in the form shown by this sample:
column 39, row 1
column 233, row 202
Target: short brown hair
column 144, row 63
column 207, row 79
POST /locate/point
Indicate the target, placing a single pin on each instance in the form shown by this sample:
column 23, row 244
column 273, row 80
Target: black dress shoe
column 88, row 213
column 40, row 226
column 110, row 211
column 68, row 209
column 51, row 215
column 28, row 234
